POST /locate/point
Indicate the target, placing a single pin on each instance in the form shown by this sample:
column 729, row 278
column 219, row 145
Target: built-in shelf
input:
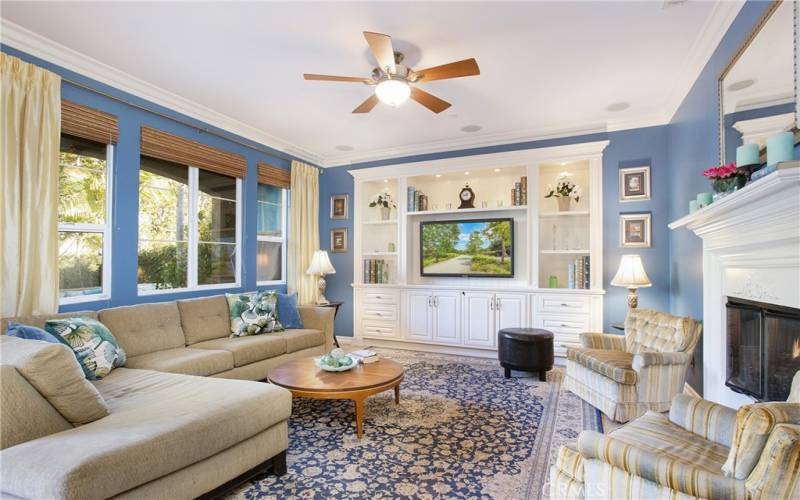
column 571, row 252
column 379, row 254
column 379, row 222
column 468, row 210
column 564, row 214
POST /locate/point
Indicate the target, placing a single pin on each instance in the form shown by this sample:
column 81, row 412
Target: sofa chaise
column 167, row 425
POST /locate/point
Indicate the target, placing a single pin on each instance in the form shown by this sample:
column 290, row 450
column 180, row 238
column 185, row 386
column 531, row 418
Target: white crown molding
column 36, row 45
column 715, row 27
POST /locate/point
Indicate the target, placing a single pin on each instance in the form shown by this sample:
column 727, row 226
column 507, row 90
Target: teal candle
column 779, row 148
column 693, row 206
column 747, row 154
column 704, row 199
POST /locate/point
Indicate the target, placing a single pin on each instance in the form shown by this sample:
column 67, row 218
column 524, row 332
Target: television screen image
column 475, row 248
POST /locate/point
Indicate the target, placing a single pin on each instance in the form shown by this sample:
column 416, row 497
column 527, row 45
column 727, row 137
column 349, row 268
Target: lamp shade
column 320, row 264
column 631, row 273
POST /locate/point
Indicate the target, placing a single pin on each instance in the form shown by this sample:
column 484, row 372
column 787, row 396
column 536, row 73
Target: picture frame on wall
column 635, row 230
column 634, row 183
column 339, row 204
column 339, row 240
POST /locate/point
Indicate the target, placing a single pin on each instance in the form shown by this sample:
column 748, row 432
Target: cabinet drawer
column 391, row 297
column 379, row 314
column 562, row 304
column 375, row 330
column 564, row 324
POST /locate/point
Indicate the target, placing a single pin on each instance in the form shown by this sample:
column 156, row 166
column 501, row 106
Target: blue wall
column 626, row 148
column 126, row 181
column 693, row 145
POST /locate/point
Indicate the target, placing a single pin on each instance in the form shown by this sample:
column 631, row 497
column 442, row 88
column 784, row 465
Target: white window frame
column 276, row 239
column 192, row 242
column 104, row 229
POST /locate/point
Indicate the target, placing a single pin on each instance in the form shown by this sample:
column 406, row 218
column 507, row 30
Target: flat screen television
column 467, row 248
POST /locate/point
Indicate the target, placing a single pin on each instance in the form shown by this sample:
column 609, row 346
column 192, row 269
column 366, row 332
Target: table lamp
column 631, row 274
column 321, row 264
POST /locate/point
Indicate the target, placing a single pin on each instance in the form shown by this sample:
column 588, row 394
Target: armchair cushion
column 754, row 423
column 772, row 477
column 704, row 418
column 610, row 341
column 646, row 358
column 615, row 365
column 650, row 330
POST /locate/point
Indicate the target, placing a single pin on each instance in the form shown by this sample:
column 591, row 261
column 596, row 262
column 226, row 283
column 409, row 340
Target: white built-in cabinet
column 401, row 305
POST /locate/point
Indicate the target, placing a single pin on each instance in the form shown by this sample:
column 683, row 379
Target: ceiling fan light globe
column 393, row 92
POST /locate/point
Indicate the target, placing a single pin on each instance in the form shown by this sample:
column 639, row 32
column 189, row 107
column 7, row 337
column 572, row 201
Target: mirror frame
column 773, row 6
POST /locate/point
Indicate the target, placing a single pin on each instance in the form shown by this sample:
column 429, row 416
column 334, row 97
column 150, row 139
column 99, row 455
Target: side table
column 335, row 306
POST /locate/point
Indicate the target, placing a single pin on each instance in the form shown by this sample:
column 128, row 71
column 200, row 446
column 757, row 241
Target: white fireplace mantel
column 751, row 250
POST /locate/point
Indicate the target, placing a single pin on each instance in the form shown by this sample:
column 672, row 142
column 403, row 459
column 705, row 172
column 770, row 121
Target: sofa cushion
column 39, row 320
column 297, row 340
column 249, row 349
column 53, row 371
column 253, row 313
column 97, row 350
column 288, row 314
column 205, row 318
column 145, row 328
column 143, row 438
column 188, row 361
column 754, row 424
column 653, row 432
column 29, row 332
column 616, row 365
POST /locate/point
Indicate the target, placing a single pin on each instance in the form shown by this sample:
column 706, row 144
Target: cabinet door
column 447, row 317
column 510, row 310
column 418, row 315
column 479, row 319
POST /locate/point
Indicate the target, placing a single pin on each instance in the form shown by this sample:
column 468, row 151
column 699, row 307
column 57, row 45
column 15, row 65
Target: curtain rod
column 274, row 153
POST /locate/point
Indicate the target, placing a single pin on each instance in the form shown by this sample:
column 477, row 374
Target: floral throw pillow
column 253, row 313
column 97, row 350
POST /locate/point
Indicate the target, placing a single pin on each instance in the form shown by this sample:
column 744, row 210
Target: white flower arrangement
column 564, row 188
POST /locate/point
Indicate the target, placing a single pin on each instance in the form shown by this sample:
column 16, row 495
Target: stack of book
column 376, row 271
column 417, row 201
column 578, row 273
column 364, row 356
column 519, row 195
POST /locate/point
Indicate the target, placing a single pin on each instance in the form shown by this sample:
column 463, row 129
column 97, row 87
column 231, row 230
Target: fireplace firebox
column 763, row 348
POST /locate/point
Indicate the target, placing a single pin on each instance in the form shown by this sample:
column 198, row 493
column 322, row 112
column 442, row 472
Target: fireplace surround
column 763, row 345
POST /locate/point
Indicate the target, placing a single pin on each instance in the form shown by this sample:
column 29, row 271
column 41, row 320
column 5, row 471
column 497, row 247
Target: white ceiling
column 547, row 68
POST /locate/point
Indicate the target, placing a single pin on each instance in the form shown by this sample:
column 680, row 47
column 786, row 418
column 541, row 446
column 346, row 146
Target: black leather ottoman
column 526, row 349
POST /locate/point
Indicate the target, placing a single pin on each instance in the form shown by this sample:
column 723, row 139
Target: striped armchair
column 701, row 450
column 625, row 376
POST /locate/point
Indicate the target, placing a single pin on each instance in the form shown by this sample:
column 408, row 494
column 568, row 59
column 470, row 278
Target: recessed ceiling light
column 470, row 128
column 438, row 175
column 497, row 170
column 344, row 147
column 618, row 106
column 741, row 85
column 386, row 180
column 466, row 173
column 563, row 163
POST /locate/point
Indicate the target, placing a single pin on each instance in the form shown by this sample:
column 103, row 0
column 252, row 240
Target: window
column 84, row 215
column 271, row 253
column 188, row 227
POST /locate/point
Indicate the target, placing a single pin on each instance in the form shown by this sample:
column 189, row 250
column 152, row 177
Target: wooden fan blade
column 381, row 46
column 366, row 106
column 467, row 67
column 329, row 78
column 428, row 100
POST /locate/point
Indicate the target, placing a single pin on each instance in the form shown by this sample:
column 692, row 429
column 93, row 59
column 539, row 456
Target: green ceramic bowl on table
column 335, row 361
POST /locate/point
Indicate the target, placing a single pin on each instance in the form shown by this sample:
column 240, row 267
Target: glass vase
column 728, row 185
column 563, row 203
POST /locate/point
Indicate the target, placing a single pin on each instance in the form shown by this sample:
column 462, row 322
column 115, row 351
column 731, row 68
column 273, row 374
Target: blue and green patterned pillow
column 253, row 313
column 97, row 350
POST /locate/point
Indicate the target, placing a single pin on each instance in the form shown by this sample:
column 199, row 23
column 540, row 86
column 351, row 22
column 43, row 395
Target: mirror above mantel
column 758, row 88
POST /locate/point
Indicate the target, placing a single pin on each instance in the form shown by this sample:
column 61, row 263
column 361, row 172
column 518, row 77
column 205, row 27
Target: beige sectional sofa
column 173, row 429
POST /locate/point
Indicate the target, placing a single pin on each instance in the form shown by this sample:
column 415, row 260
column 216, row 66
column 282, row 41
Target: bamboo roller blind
column 274, row 176
column 88, row 123
column 164, row 146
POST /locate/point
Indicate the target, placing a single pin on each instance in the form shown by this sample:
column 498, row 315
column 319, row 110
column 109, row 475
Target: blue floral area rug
column 461, row 430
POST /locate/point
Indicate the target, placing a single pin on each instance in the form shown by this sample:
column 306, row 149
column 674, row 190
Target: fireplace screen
column 763, row 348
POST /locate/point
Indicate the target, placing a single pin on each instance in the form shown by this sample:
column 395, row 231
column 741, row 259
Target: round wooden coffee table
column 305, row 380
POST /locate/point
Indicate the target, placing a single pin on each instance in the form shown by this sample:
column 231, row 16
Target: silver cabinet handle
column 436, row 302
column 491, row 304
column 377, row 314
column 499, row 304
column 378, row 296
column 565, row 326
column 430, row 304
column 563, row 305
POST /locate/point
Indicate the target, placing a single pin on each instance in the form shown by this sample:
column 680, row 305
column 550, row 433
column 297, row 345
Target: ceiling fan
column 393, row 80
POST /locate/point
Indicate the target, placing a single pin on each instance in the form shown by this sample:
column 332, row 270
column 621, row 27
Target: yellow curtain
column 303, row 231
column 31, row 129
